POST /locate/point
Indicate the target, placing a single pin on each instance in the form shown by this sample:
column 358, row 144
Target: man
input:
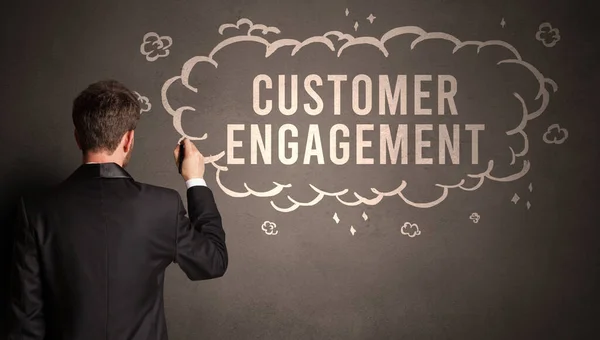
column 90, row 255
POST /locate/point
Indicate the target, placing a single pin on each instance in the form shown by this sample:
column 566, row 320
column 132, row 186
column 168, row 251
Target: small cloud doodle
column 555, row 135
column 475, row 217
column 155, row 46
column 269, row 228
column 410, row 229
column 547, row 35
column 145, row 104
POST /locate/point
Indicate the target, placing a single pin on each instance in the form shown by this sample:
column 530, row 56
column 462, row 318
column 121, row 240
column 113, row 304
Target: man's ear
column 77, row 139
column 128, row 138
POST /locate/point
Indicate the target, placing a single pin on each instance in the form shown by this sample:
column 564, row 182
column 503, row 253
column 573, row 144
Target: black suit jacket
column 90, row 255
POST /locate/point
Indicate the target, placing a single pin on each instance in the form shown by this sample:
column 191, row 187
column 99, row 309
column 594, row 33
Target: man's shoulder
column 41, row 194
column 47, row 197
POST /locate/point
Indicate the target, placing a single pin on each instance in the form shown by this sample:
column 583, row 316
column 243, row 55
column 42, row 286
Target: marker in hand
column 181, row 154
column 189, row 161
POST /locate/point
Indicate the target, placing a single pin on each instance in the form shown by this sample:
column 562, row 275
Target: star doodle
column 515, row 199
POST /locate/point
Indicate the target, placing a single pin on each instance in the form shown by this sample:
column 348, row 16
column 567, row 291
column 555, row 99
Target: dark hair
column 103, row 113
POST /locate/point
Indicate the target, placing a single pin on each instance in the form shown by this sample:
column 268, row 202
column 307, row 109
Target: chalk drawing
column 352, row 230
column 503, row 23
column 365, row 216
column 475, row 217
column 515, row 199
column 547, row 35
column 145, row 105
column 555, row 135
column 269, row 228
column 155, row 46
column 371, row 18
column 336, row 218
column 329, row 40
column 410, row 229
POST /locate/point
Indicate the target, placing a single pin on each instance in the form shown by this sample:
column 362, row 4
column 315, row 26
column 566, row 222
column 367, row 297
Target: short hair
column 103, row 113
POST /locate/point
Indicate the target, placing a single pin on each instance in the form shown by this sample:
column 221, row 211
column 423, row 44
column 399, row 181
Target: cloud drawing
column 342, row 44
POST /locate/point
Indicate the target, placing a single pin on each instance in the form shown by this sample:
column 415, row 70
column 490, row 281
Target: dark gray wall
column 518, row 273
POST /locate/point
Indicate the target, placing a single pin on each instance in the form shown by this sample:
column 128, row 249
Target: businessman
column 90, row 254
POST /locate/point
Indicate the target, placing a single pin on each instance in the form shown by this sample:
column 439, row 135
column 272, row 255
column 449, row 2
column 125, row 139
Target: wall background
column 517, row 273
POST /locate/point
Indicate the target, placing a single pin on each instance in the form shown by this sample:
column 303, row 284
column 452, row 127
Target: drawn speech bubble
column 257, row 37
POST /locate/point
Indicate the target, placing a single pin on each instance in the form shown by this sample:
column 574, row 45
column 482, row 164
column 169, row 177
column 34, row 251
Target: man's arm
column 26, row 303
column 201, row 251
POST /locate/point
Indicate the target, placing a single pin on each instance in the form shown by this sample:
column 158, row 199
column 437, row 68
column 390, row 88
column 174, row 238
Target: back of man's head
column 102, row 114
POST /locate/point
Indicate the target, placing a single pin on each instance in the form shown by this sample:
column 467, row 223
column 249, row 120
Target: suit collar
column 100, row 170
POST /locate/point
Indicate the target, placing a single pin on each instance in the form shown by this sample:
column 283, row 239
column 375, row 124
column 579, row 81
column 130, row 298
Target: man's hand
column 193, row 160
